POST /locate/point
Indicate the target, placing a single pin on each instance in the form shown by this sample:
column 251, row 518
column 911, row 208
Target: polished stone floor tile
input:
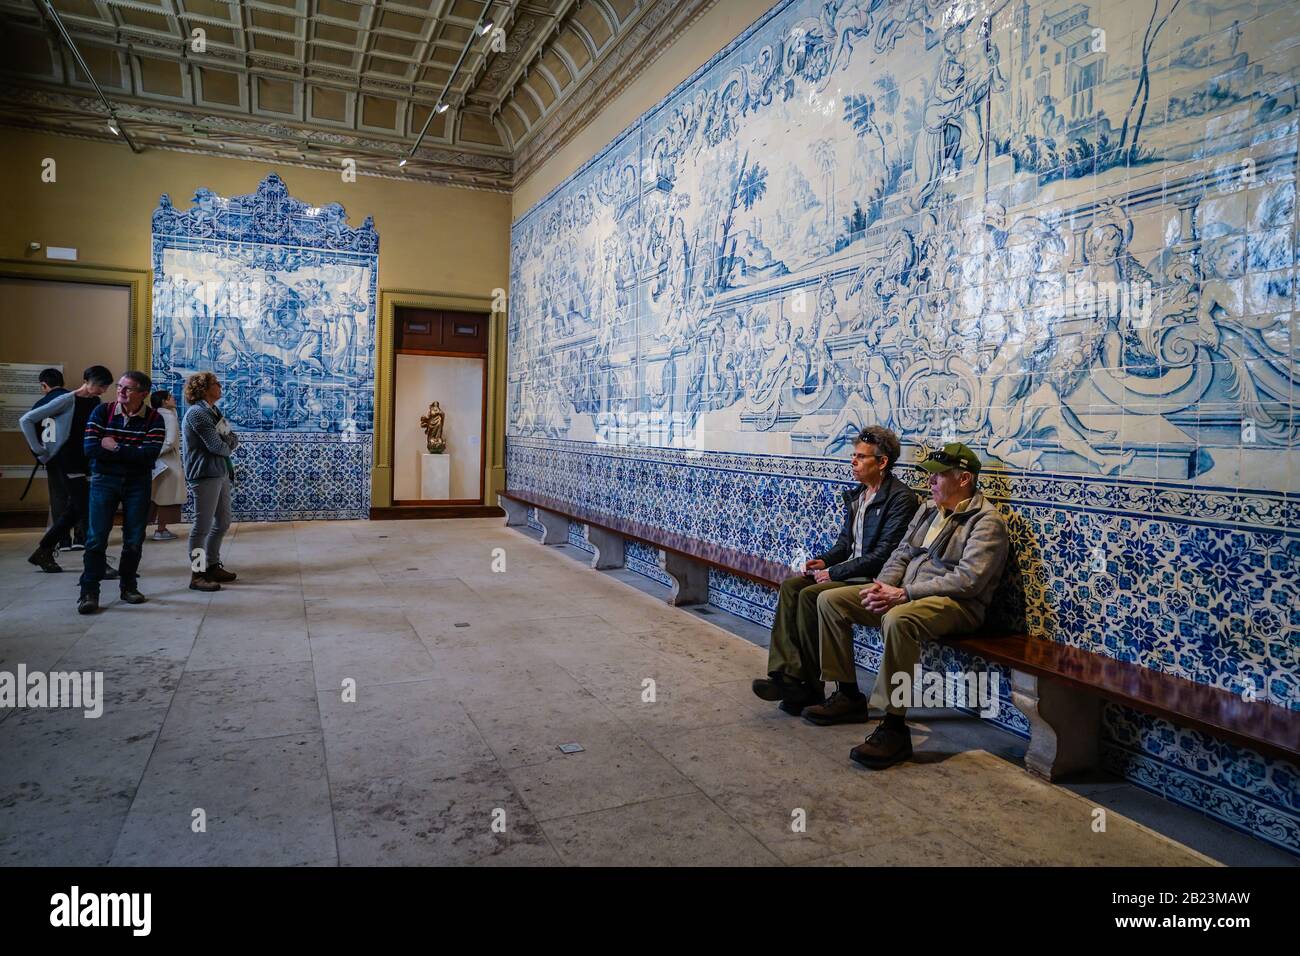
column 374, row 693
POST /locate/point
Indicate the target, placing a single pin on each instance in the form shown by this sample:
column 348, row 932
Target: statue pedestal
column 435, row 477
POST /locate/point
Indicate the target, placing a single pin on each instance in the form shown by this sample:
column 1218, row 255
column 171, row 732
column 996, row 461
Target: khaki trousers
column 794, row 647
column 902, row 628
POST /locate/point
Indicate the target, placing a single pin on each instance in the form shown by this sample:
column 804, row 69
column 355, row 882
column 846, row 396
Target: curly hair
column 197, row 385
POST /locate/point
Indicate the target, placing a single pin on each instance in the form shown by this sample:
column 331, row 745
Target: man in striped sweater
column 122, row 441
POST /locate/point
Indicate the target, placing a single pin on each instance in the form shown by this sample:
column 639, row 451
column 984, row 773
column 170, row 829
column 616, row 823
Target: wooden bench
column 1057, row 687
column 685, row 560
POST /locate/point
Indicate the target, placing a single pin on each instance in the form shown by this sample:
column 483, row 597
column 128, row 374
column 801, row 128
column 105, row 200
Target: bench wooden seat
column 1057, row 687
column 685, row 560
column 1060, row 688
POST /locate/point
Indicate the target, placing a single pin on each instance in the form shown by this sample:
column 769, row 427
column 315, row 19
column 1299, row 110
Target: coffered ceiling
column 315, row 82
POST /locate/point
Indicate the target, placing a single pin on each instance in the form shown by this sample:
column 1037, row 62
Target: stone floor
column 228, row 710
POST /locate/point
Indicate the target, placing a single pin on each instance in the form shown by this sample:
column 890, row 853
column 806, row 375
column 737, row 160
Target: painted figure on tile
column 1044, row 358
column 1115, row 288
column 954, row 129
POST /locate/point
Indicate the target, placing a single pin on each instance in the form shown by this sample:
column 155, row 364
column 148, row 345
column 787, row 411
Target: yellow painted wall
column 432, row 239
column 726, row 20
column 435, row 238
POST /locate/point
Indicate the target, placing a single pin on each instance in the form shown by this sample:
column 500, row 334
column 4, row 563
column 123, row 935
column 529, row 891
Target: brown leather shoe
column 839, row 709
column 220, row 575
column 199, row 582
column 806, row 695
column 884, row 748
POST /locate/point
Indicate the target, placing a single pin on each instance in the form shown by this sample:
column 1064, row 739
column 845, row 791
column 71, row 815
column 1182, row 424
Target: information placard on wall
column 20, row 388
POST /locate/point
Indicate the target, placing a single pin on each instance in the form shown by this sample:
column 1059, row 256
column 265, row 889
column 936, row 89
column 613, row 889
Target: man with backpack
column 54, row 430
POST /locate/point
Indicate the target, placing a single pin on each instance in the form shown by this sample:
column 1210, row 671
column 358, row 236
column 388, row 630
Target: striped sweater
column 139, row 440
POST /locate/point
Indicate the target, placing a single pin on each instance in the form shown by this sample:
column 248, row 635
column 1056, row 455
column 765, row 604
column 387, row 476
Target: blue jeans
column 106, row 493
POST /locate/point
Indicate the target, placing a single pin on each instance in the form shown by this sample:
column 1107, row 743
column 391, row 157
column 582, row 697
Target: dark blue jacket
column 883, row 527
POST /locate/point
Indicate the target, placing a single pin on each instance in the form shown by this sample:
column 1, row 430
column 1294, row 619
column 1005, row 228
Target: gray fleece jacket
column 207, row 453
column 965, row 562
column 59, row 408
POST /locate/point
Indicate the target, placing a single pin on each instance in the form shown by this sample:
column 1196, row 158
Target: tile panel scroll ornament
column 277, row 297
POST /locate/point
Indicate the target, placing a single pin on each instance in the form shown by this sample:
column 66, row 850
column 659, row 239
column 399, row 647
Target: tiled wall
column 1063, row 233
column 278, row 299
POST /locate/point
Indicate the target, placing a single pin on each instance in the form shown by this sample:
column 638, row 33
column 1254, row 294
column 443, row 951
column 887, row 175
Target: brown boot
column 840, row 709
column 885, row 747
column 220, row 575
column 199, row 582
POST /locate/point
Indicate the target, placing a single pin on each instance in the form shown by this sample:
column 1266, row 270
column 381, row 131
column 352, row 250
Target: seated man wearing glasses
column 939, row 581
column 877, row 512
column 122, row 441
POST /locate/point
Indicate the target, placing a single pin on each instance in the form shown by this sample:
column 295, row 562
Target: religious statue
column 432, row 424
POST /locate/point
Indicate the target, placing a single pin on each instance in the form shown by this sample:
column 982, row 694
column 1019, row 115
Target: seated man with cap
column 939, row 581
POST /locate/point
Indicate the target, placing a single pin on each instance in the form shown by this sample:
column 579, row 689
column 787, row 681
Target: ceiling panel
column 317, row 79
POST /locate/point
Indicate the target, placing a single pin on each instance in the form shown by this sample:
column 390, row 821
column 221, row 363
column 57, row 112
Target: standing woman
column 169, row 487
column 208, row 443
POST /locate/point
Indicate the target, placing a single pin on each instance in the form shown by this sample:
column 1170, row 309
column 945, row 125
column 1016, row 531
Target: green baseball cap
column 952, row 455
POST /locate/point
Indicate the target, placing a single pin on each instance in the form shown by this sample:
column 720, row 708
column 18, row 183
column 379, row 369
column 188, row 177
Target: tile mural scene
column 278, row 298
column 1063, row 233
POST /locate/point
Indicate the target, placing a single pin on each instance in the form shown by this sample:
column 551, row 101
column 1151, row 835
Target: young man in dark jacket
column 122, row 441
column 877, row 513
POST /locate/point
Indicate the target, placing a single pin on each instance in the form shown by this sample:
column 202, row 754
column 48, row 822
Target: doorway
column 441, row 356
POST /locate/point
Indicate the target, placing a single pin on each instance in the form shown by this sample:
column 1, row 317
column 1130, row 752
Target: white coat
column 169, row 487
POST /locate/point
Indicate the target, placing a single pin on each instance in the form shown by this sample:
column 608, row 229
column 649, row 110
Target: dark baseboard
column 436, row 511
column 23, row 519
column 36, row 520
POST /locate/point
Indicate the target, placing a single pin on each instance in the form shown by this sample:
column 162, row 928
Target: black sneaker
column 43, row 558
column 88, row 604
column 884, row 748
column 132, row 596
column 110, row 573
column 75, row 546
column 808, row 695
column 840, row 709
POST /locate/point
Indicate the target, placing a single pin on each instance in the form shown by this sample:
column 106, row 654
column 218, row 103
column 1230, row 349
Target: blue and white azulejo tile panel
column 1061, row 231
column 276, row 297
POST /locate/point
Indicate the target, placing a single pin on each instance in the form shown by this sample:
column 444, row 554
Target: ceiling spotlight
column 485, row 28
column 440, row 108
column 112, row 128
column 402, row 163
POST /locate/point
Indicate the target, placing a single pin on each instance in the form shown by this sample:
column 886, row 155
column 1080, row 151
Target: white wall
column 456, row 383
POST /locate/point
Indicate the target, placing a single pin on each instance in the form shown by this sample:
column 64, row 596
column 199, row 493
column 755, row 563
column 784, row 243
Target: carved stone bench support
column 1064, row 725
column 516, row 511
column 608, row 547
column 690, row 578
column 555, row 527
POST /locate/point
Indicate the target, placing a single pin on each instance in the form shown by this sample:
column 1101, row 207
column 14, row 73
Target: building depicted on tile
column 1062, row 233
